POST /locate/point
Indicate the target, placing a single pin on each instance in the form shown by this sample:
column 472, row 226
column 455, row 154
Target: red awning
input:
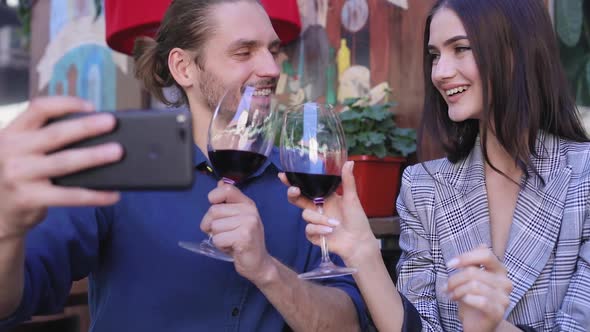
column 284, row 15
column 128, row 19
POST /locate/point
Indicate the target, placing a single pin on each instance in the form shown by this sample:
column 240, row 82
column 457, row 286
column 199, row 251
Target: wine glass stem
column 319, row 203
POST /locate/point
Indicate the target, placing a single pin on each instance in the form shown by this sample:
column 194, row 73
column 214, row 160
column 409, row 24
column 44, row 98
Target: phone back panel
column 158, row 153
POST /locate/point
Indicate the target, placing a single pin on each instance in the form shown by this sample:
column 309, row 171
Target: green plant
column 371, row 130
column 572, row 23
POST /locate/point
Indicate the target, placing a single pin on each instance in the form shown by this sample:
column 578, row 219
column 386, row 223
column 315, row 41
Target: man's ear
column 182, row 67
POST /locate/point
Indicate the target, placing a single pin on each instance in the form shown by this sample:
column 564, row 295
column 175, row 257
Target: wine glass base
column 327, row 270
column 205, row 248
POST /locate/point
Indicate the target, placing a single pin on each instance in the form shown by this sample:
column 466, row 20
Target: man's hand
column 235, row 224
column 27, row 162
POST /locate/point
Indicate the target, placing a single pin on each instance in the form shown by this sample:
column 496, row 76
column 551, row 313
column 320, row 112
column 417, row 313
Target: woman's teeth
column 456, row 90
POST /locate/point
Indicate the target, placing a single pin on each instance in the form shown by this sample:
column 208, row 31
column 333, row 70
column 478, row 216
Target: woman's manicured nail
column 326, row 229
column 453, row 263
column 333, row 222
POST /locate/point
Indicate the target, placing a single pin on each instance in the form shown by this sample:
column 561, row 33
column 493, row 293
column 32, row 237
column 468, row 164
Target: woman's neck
column 500, row 158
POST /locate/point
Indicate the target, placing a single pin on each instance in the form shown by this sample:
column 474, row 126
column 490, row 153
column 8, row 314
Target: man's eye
column 243, row 53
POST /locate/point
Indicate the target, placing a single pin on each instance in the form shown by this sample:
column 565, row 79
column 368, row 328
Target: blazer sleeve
column 574, row 314
column 416, row 275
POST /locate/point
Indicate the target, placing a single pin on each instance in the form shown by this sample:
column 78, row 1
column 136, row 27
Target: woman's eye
column 461, row 49
column 434, row 57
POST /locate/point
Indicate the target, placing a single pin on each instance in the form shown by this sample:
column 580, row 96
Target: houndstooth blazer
column 444, row 213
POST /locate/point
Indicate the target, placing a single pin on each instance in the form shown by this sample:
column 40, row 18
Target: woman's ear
column 182, row 67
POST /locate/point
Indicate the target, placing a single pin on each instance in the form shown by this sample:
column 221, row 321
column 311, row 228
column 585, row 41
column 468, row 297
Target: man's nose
column 267, row 65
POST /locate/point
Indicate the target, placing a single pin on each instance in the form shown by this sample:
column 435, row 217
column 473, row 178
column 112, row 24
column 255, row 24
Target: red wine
column 314, row 185
column 234, row 164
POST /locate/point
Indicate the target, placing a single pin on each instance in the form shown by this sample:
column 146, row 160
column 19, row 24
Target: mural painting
column 77, row 61
column 333, row 59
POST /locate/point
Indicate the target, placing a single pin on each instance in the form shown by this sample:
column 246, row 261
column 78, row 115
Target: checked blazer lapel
column 461, row 208
column 537, row 218
column 463, row 222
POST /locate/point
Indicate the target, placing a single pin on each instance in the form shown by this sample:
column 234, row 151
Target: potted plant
column 379, row 149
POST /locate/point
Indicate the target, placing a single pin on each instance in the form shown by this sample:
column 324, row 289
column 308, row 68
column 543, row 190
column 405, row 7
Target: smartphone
column 158, row 153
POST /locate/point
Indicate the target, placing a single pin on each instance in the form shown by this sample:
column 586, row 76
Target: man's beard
column 212, row 89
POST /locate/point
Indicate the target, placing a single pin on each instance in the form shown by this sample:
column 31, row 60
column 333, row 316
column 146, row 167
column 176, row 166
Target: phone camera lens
column 182, row 134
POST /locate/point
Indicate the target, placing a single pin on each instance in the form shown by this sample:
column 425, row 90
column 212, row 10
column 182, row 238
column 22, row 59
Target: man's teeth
column 262, row 92
column 456, row 90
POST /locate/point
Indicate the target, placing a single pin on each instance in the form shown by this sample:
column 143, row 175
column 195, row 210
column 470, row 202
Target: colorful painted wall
column 351, row 48
column 71, row 57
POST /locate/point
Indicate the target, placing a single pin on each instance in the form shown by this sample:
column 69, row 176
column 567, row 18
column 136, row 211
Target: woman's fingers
column 317, row 230
column 492, row 308
column 481, row 282
column 314, row 234
column 468, row 274
column 284, row 180
column 481, row 296
column 314, row 217
column 294, row 195
column 482, row 256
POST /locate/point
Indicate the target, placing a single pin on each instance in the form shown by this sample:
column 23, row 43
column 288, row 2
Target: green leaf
column 350, row 101
column 350, row 126
column 98, row 8
column 350, row 115
column 409, row 133
column 380, row 151
column 583, row 86
column 376, row 138
column 568, row 19
column 377, row 113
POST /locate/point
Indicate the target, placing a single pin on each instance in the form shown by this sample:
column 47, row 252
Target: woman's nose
column 443, row 69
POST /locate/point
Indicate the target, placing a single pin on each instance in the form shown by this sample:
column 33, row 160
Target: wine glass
column 241, row 136
column 313, row 151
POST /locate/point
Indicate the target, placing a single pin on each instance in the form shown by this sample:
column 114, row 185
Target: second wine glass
column 313, row 151
column 241, row 137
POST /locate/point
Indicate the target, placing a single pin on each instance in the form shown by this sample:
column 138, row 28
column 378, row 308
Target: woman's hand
column 482, row 289
column 343, row 222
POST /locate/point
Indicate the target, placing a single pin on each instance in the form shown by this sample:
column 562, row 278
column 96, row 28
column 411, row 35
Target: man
column 140, row 280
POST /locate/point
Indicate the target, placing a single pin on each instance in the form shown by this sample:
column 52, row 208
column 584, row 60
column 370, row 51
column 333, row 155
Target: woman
column 496, row 235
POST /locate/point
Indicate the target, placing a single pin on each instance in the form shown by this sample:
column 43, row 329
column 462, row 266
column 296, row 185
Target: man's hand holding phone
column 27, row 163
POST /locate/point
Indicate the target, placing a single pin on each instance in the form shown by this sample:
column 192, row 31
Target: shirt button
column 235, row 312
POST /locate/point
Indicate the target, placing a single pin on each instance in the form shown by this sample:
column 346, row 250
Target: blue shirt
column 141, row 280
